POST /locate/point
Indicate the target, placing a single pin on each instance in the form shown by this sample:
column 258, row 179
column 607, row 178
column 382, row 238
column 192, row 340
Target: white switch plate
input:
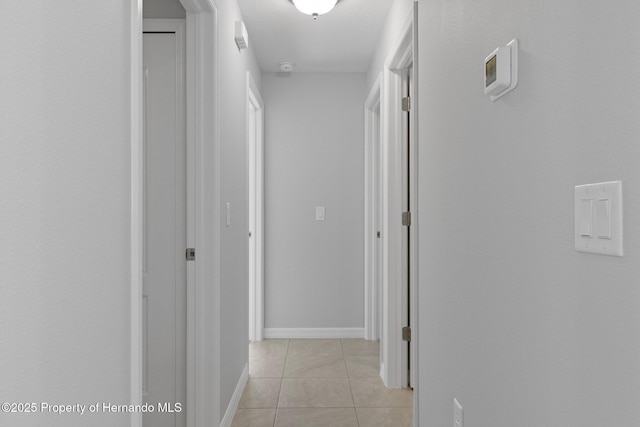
column 228, row 222
column 598, row 218
column 320, row 213
column 458, row 416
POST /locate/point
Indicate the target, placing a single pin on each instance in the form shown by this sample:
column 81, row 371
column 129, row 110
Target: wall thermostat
column 241, row 36
column 501, row 70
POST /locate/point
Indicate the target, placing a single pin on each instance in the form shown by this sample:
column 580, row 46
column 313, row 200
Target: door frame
column 372, row 146
column 203, row 212
column 255, row 157
column 394, row 354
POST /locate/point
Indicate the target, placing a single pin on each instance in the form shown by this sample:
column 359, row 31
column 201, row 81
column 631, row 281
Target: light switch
column 320, row 213
column 603, row 219
column 598, row 218
column 586, row 217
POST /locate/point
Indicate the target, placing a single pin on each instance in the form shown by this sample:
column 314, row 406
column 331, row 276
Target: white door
column 255, row 203
column 251, row 170
column 377, row 219
column 165, row 276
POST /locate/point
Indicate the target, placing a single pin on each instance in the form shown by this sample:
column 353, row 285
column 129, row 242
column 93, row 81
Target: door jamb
column 256, row 287
column 415, row 230
column 393, row 352
column 203, row 149
column 372, row 138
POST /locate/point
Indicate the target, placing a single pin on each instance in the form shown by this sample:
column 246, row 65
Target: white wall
column 163, row 9
column 65, row 210
column 522, row 329
column 314, row 157
column 398, row 14
column 234, row 314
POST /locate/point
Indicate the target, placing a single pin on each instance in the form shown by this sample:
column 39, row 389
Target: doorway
column 399, row 201
column 255, row 183
column 407, row 243
column 165, row 222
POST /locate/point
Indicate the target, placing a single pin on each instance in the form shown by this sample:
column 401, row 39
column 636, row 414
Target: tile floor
column 317, row 383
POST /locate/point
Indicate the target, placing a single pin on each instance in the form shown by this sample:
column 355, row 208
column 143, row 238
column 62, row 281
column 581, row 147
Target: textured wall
column 520, row 328
column 234, row 296
column 314, row 157
column 64, row 215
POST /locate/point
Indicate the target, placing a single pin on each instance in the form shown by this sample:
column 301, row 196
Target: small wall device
column 501, row 71
column 241, row 36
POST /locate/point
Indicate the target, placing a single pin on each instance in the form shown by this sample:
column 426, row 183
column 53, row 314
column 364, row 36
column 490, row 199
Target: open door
column 255, row 234
column 165, row 224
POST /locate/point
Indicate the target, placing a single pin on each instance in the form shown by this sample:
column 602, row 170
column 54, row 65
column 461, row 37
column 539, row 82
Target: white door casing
column 165, row 223
column 414, row 232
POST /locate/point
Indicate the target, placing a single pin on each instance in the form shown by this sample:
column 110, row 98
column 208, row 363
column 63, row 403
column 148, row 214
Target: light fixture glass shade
column 315, row 7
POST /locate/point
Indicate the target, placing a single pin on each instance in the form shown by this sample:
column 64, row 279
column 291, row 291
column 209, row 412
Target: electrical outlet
column 458, row 418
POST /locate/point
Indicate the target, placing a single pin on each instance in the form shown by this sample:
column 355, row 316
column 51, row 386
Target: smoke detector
column 286, row 67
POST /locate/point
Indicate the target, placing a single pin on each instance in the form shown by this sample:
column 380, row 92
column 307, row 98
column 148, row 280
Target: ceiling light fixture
column 314, row 8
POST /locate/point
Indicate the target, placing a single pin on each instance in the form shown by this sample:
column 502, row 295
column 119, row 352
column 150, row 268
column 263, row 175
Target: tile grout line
column 353, row 400
column 286, row 356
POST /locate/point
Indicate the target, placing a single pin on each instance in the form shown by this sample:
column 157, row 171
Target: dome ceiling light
column 314, row 8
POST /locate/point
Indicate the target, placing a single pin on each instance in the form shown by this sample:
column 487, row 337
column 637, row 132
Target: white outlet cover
column 320, row 213
column 458, row 414
column 599, row 230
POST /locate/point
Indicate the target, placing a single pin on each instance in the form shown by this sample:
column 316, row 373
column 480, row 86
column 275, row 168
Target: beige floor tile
column 268, row 348
column 315, row 348
column 316, row 417
column 315, row 367
column 371, row 393
column 260, row 393
column 385, row 417
column 254, row 418
column 315, row 393
column 266, row 367
column 363, row 366
column 360, row 347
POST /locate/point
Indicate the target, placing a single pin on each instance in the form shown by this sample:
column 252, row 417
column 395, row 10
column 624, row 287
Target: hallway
column 319, row 382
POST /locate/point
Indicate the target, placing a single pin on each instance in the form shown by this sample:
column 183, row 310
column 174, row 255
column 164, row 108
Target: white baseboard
column 382, row 373
column 293, row 333
column 235, row 399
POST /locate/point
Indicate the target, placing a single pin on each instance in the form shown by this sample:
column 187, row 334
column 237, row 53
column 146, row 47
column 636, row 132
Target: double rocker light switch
column 598, row 218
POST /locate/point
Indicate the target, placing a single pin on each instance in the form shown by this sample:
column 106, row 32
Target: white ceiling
column 343, row 40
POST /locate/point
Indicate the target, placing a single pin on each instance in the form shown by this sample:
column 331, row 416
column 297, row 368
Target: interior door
column 165, row 274
column 252, row 177
column 378, row 207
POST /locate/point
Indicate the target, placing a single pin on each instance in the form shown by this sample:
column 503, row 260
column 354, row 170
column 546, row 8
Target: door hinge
column 191, row 254
column 406, row 219
column 406, row 333
column 406, row 104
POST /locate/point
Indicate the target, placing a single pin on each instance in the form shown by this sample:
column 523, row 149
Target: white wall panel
column 65, row 210
column 314, row 158
column 518, row 326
